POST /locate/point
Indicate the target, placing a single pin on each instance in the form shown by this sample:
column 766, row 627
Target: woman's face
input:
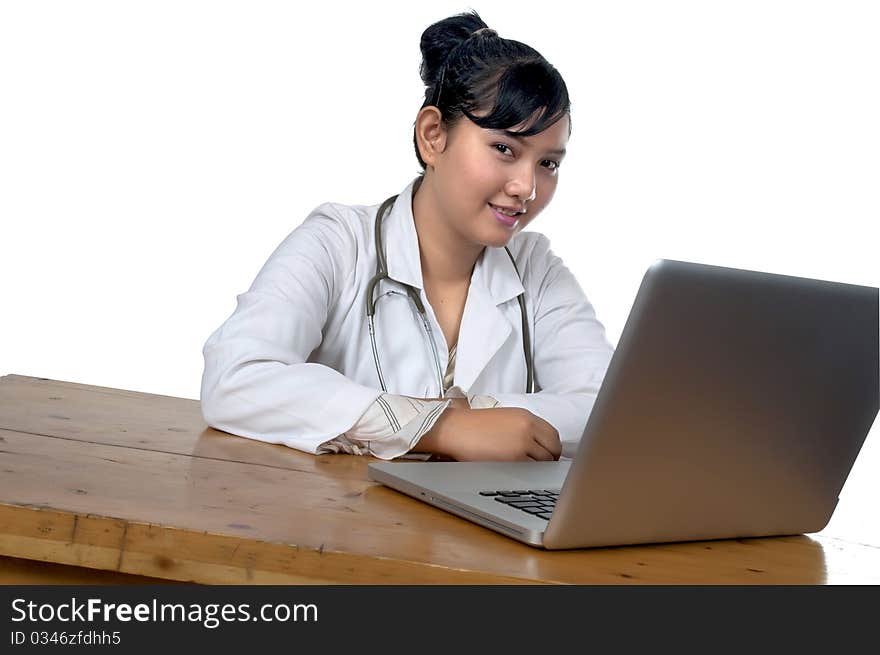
column 479, row 168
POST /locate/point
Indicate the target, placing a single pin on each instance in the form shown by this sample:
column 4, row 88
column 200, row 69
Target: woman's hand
column 497, row 434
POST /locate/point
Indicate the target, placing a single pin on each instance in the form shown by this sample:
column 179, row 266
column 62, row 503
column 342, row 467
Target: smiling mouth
column 509, row 221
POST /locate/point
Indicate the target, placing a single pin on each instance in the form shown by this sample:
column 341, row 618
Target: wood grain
column 121, row 481
column 16, row 571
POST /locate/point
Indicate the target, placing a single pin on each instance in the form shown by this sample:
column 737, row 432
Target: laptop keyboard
column 538, row 502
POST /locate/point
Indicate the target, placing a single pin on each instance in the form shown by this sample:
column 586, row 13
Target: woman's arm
column 497, row 434
column 256, row 381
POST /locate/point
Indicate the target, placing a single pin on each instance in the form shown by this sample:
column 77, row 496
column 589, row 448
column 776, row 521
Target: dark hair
column 467, row 67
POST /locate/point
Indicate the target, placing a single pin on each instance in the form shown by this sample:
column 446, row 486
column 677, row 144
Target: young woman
column 430, row 323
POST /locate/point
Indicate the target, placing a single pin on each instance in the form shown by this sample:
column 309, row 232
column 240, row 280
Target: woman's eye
column 503, row 148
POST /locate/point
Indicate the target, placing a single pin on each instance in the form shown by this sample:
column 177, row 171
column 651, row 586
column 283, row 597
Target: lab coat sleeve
column 571, row 352
column 390, row 427
column 256, row 381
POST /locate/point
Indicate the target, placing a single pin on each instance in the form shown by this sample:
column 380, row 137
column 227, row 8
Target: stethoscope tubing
column 382, row 274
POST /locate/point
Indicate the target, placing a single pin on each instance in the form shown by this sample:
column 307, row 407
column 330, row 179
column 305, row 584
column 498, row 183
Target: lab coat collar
column 494, row 272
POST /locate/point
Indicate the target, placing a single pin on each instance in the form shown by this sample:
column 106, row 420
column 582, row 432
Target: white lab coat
column 294, row 364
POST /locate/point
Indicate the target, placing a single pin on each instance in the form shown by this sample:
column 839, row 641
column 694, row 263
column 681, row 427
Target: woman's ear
column 431, row 134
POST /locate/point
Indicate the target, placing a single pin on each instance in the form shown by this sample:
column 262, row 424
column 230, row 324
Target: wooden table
column 137, row 484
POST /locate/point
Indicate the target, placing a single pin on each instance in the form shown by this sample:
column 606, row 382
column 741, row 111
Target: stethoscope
column 382, row 273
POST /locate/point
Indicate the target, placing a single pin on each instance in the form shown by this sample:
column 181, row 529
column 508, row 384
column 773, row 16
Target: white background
column 153, row 154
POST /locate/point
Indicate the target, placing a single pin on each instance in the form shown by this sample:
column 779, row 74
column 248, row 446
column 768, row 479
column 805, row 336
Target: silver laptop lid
column 735, row 405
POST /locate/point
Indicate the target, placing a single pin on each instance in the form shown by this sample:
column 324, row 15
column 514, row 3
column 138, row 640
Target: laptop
column 734, row 406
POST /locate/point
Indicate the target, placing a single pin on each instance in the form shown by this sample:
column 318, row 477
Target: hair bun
column 440, row 39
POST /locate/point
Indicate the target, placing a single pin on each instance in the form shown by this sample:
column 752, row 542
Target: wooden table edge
column 166, row 552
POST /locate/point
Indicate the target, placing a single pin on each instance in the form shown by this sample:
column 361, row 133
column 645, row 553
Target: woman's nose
column 522, row 185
